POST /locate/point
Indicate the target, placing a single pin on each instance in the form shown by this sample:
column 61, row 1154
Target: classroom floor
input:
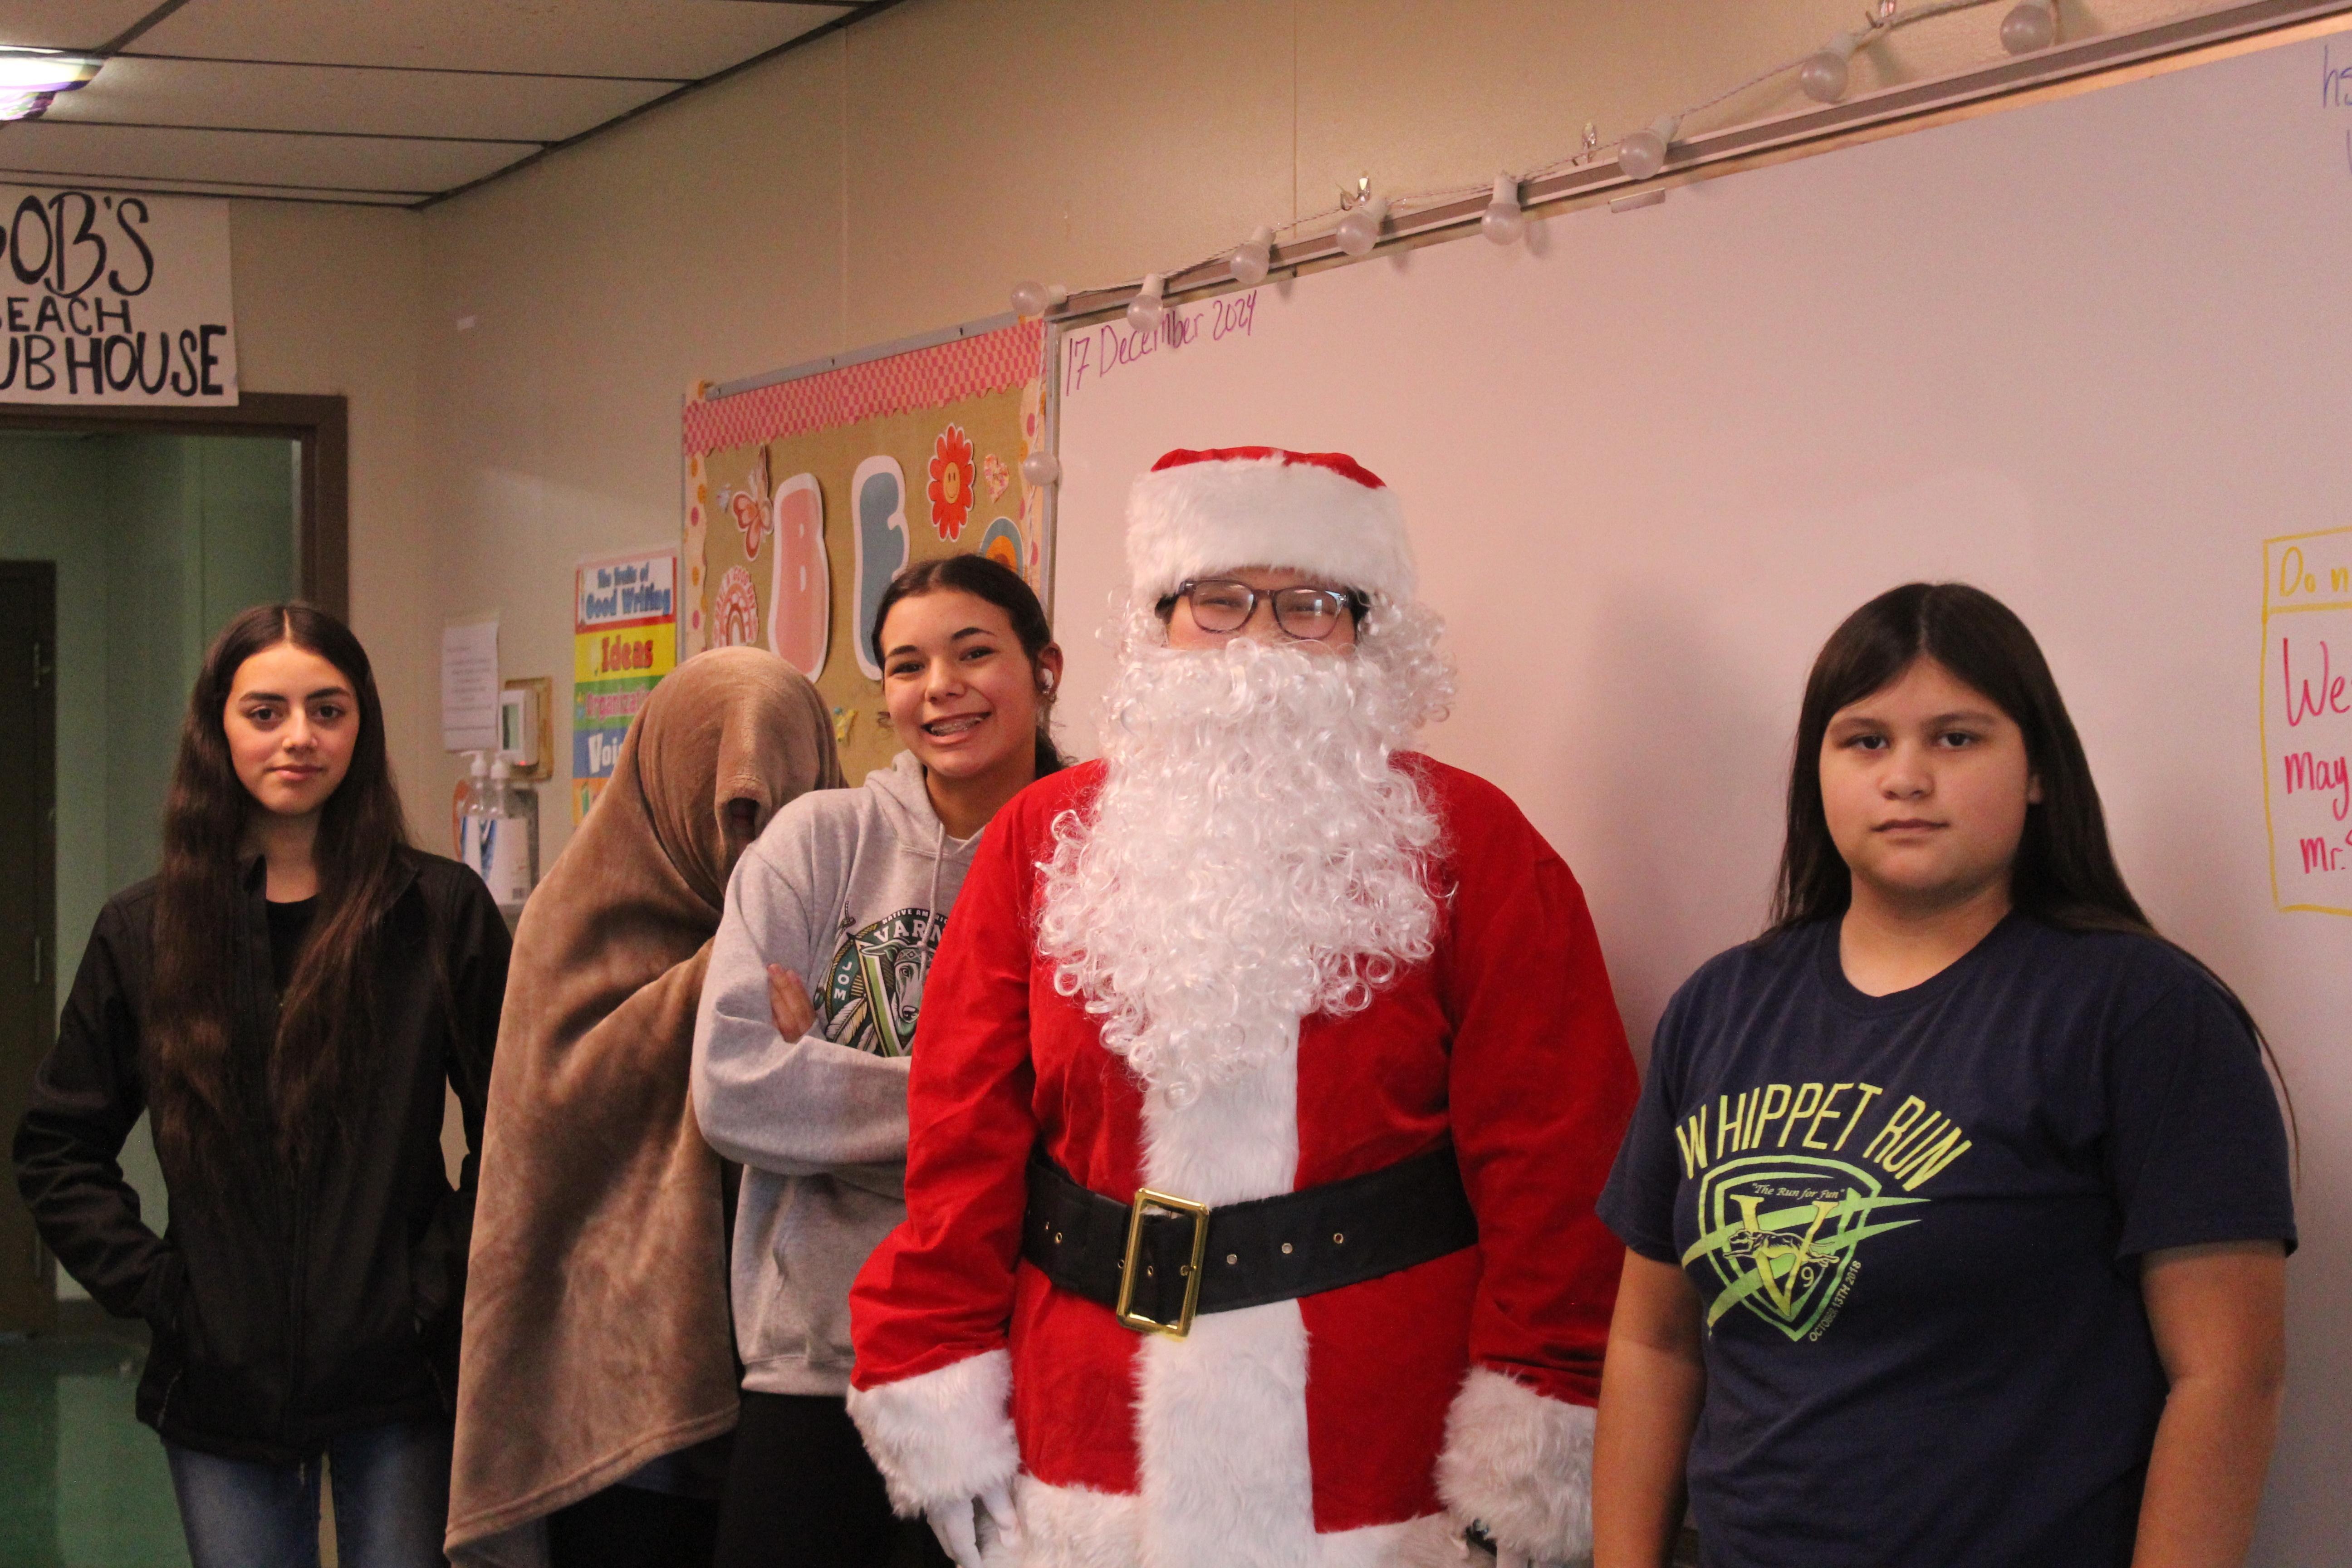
column 82, row 1484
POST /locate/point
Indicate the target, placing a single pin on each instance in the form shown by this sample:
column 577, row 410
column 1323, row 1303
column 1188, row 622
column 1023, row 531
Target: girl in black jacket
column 286, row 999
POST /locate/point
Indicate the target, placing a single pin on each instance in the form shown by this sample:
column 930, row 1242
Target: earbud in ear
column 1045, row 681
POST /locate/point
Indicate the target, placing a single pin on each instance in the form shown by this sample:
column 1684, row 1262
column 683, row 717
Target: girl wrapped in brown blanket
column 597, row 1332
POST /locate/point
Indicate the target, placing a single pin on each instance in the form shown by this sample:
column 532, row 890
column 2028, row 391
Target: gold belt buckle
column 1145, row 1198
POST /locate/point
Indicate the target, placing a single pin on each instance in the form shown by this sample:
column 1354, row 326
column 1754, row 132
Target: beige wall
column 329, row 299
column 896, row 177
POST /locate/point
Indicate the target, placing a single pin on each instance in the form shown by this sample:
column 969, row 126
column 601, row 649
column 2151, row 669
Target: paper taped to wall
column 469, row 686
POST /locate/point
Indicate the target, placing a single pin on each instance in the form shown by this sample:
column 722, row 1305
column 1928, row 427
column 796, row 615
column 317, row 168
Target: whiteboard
column 2089, row 353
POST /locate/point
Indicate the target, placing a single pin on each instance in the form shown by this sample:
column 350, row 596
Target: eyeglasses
column 1220, row 604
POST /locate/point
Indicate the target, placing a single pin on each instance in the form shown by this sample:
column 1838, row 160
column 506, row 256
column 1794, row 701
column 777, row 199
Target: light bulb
column 1504, row 222
column 1824, row 77
column 1360, row 229
column 2033, row 25
column 1145, row 311
column 1031, row 298
column 1250, row 262
column 1643, row 154
column 1039, row 470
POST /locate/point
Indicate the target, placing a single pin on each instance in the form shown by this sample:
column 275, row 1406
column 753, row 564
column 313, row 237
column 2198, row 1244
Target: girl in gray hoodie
column 808, row 1020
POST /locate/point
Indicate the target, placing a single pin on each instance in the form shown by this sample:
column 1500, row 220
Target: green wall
column 198, row 529
column 159, row 541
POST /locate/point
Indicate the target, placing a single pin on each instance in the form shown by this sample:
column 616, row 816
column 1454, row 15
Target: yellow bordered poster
column 624, row 639
column 2307, row 719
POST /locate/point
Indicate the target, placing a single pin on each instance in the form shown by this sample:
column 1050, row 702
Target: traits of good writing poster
column 803, row 498
column 115, row 298
column 624, row 639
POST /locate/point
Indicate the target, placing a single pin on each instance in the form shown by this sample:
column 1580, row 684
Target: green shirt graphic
column 1780, row 1233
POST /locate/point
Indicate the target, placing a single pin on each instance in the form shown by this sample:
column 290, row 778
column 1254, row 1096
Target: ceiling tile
column 82, row 25
column 678, row 40
column 43, row 178
column 132, row 90
column 99, row 152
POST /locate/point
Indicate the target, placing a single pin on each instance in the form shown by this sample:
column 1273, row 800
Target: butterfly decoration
column 750, row 506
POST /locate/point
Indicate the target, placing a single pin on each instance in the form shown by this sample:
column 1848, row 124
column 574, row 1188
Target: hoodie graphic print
column 870, row 994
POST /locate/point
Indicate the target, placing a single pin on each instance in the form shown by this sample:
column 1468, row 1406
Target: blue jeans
column 392, row 1500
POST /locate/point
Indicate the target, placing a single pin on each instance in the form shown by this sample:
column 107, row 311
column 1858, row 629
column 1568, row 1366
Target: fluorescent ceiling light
column 44, row 70
column 29, row 78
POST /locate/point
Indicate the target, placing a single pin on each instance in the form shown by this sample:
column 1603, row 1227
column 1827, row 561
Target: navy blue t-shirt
column 1915, row 1220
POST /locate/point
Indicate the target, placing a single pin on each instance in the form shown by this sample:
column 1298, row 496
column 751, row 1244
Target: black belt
column 1162, row 1259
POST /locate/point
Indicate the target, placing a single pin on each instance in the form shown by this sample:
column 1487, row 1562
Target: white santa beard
column 1252, row 856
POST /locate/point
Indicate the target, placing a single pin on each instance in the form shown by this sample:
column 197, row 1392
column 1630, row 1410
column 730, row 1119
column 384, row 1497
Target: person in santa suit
column 1267, row 1077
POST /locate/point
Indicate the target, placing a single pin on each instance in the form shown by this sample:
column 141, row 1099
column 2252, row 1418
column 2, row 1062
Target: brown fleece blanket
column 596, row 1330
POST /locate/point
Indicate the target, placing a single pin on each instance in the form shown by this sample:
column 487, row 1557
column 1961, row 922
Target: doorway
column 28, row 641
column 154, row 526
column 125, row 544
column 140, row 532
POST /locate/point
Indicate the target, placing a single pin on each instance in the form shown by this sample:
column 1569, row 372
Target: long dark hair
column 210, row 1106
column 2065, row 872
column 1000, row 585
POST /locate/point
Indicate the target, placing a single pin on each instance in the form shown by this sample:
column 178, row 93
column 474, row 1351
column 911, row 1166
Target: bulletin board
column 804, row 493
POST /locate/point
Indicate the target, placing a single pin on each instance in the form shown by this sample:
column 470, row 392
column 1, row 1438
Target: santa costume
column 1340, row 1010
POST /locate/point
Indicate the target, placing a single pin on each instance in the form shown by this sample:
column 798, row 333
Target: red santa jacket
column 1334, row 1429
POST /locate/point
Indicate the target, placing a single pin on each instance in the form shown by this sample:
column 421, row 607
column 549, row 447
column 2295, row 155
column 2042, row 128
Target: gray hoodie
column 849, row 890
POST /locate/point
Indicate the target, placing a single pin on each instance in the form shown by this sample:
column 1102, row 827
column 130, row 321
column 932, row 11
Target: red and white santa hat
column 1199, row 513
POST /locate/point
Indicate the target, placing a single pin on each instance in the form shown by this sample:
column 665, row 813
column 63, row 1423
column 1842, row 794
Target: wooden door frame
column 41, row 1304
column 318, row 424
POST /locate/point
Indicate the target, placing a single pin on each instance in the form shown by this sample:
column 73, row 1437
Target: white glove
column 957, row 1524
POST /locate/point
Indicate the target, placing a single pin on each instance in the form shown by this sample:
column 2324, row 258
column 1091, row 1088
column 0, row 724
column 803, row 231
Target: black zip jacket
column 285, row 1308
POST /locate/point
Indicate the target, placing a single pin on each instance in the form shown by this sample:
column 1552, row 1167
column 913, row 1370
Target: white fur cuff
column 1520, row 1464
column 943, row 1436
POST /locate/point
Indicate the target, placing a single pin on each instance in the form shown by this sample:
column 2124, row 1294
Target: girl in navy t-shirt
column 1957, row 1204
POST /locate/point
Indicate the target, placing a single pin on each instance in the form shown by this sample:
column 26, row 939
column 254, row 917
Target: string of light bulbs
column 1822, row 74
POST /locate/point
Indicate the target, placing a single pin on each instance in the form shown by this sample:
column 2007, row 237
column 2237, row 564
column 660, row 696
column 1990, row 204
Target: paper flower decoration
column 1033, row 439
column 698, row 521
column 735, row 611
column 993, row 470
column 950, row 490
column 1033, row 418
